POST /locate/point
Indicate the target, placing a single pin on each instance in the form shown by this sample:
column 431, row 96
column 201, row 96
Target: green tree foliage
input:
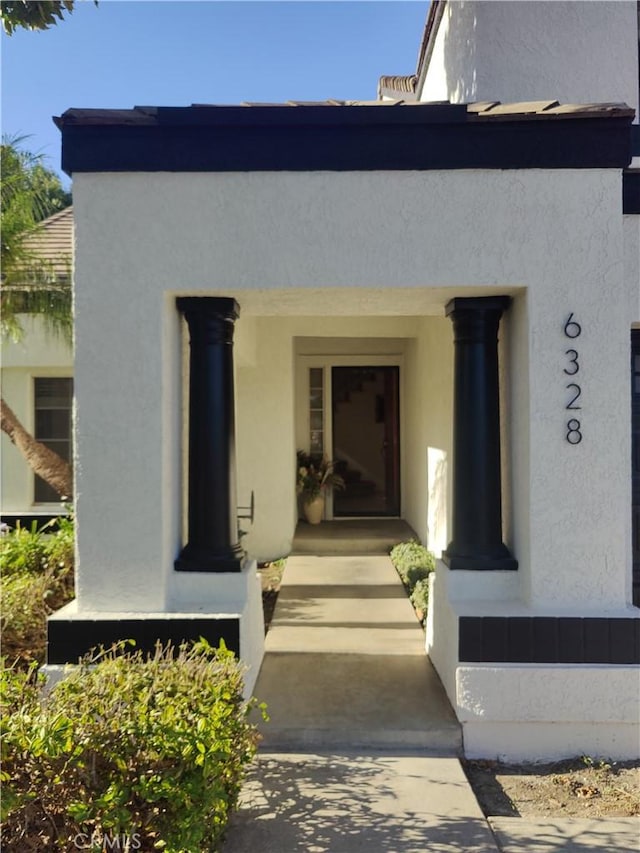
column 32, row 15
column 29, row 193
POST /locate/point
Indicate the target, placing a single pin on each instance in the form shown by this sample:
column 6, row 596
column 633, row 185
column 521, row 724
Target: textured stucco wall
column 571, row 51
column 36, row 355
column 506, row 711
column 309, row 244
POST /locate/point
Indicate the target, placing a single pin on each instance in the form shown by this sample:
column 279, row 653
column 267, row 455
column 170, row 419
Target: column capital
column 212, row 307
column 477, row 304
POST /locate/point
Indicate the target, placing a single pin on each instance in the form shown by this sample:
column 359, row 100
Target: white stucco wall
column 567, row 50
column 309, row 244
column 35, row 355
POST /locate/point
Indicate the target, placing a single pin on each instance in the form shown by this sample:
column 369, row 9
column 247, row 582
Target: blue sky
column 177, row 52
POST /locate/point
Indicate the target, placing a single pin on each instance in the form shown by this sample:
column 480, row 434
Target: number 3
column 573, row 361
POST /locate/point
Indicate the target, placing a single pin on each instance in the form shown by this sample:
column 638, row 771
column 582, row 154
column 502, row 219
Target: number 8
column 574, row 436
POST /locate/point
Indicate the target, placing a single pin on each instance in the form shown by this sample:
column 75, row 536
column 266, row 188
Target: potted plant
column 315, row 477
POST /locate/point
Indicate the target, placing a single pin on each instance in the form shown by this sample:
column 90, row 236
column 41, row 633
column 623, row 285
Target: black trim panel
column 548, row 639
column 26, row 520
column 631, row 191
column 71, row 639
column 341, row 139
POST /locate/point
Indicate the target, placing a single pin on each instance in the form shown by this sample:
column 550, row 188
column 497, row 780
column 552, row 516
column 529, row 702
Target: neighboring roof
column 397, row 86
column 52, row 241
column 347, row 135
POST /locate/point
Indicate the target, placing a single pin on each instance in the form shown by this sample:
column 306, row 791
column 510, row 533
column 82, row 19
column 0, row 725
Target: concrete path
column 345, row 664
column 360, row 753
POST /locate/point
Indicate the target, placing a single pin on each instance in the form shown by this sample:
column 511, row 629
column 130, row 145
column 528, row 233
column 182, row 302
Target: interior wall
column 428, row 394
column 265, row 441
column 515, row 424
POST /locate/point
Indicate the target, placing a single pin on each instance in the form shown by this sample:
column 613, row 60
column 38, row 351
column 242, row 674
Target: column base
column 479, row 559
column 202, row 560
column 480, row 564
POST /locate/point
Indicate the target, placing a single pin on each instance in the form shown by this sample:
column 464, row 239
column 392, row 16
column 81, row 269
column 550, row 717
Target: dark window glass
column 53, row 399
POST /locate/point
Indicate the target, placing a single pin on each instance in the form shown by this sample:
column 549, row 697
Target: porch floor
column 351, row 536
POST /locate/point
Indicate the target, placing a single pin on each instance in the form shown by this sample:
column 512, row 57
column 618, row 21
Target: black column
column 213, row 522
column 477, row 502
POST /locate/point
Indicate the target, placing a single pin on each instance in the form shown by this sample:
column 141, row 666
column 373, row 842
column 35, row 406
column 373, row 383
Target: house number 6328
column 573, row 330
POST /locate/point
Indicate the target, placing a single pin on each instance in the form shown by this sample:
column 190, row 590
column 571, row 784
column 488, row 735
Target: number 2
column 570, row 404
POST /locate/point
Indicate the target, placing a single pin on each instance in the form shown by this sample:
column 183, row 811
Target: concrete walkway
column 360, row 753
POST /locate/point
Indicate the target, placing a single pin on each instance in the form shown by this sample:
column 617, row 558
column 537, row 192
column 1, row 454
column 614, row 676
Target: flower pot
column 314, row 510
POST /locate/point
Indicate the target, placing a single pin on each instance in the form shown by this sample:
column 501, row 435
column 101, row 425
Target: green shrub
column 420, row 597
column 411, row 555
column 37, row 579
column 150, row 749
column 23, row 550
column 414, row 564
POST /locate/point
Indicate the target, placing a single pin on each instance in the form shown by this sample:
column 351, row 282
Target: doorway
column 365, row 415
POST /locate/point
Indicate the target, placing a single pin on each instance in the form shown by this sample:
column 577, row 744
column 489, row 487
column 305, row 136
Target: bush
column 23, row 550
column 411, row 555
column 37, row 579
column 150, row 750
column 420, row 597
column 414, row 564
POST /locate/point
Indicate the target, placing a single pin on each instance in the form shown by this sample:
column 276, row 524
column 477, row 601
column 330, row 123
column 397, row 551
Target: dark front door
column 366, row 440
column 635, row 461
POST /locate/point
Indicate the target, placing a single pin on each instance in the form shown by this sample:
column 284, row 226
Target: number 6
column 571, row 328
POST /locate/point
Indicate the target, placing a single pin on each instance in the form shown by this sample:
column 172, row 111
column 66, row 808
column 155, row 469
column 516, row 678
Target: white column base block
column 203, row 600
column 529, row 711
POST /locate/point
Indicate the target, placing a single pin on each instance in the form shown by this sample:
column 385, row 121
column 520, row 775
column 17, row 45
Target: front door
column 366, row 440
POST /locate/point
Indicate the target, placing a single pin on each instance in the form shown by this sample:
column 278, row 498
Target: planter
column 314, row 510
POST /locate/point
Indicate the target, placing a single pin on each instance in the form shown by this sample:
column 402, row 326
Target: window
column 316, row 410
column 52, row 401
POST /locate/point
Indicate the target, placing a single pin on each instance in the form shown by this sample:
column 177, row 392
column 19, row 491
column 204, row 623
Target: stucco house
column 439, row 288
column 37, row 383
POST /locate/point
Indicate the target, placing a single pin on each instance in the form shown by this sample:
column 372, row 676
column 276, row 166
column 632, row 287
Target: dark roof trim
column 631, row 191
column 346, row 137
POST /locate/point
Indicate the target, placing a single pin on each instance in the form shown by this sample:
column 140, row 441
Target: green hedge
column 150, row 750
column 414, row 564
column 37, row 578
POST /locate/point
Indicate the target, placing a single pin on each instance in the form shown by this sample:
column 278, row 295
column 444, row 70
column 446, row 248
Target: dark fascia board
column 335, row 138
column 631, row 191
